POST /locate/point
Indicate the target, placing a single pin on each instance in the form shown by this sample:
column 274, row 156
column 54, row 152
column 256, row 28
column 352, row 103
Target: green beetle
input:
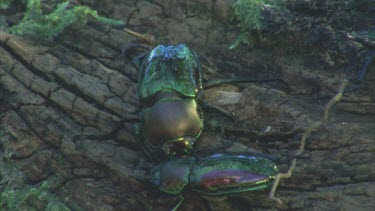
column 169, row 83
column 170, row 86
column 169, row 89
column 214, row 175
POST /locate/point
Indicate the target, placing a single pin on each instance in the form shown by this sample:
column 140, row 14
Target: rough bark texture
column 62, row 105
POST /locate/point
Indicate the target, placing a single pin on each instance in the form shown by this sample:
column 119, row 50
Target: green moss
column 249, row 14
column 5, row 4
column 37, row 24
column 31, row 198
column 15, row 195
column 10, row 176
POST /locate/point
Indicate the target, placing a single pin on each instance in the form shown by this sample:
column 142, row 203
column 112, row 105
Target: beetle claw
column 130, row 46
column 296, row 156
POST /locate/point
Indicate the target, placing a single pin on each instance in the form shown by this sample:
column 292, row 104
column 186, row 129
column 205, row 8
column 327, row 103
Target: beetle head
column 178, row 146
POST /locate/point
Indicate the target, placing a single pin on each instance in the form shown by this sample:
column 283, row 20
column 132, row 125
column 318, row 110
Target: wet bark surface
column 63, row 104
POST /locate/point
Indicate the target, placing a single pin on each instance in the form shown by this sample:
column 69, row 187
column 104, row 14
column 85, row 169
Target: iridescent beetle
column 169, row 89
column 169, row 83
column 215, row 175
column 170, row 86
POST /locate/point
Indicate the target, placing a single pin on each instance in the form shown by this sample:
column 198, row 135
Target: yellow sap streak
column 314, row 127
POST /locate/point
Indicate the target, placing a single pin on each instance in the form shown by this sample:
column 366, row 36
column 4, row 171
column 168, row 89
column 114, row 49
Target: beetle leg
column 298, row 156
column 219, row 82
column 137, row 61
column 215, row 198
column 130, row 46
column 357, row 82
column 362, row 40
column 225, row 144
column 145, row 150
column 181, row 199
column 132, row 117
column 219, row 109
column 137, row 128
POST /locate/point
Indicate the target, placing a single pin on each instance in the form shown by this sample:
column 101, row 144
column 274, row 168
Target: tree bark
column 63, row 104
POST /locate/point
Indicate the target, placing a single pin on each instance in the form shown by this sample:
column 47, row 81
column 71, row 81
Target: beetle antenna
column 130, row 46
column 218, row 82
column 132, row 117
column 207, row 104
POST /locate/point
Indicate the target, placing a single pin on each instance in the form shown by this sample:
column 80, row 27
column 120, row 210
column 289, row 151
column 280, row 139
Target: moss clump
column 37, row 24
column 249, row 14
column 4, row 4
column 31, row 198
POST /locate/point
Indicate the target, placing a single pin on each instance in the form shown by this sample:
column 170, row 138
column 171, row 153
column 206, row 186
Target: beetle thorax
column 172, row 119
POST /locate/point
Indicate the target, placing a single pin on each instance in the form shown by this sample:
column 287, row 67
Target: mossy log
column 63, row 135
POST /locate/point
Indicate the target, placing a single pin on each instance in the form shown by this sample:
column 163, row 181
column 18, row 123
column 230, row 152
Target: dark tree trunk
column 62, row 105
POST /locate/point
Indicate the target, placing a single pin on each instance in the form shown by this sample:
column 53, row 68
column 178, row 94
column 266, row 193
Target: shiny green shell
column 172, row 176
column 222, row 174
column 218, row 174
column 170, row 68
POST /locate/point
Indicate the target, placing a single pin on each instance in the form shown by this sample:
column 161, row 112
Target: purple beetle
column 214, row 175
